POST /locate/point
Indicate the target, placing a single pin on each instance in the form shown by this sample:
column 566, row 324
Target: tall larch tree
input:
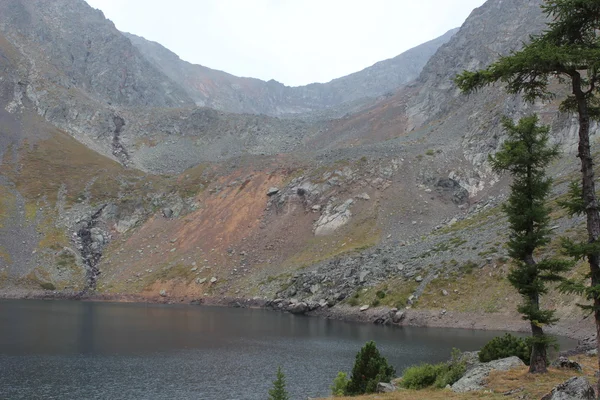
column 525, row 155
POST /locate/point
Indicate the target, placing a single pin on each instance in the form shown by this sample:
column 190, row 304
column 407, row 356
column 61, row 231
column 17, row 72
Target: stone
column 298, row 308
column 364, row 308
column 213, row 279
column 163, row 293
column 576, row 388
column 167, row 212
column 363, row 196
column 474, row 379
column 200, row 281
column 444, row 292
column 194, row 269
column 362, row 276
column 419, row 279
column 272, row 191
column 383, row 387
column 565, row 363
column 592, row 353
column 398, row 317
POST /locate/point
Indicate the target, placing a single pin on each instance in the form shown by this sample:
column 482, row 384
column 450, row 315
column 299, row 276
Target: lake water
column 82, row 350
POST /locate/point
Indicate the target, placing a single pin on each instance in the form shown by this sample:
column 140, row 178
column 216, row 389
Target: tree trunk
column 537, row 362
column 589, row 197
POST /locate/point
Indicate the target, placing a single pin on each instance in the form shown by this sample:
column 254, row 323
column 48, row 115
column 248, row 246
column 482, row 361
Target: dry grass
column 7, row 204
column 484, row 290
column 395, row 294
column 536, row 386
column 425, row 394
column 359, row 235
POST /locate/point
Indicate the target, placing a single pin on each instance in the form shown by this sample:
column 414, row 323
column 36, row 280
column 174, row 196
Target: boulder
column 364, row 308
column 398, row 317
column 163, row 293
column 213, row 279
column 362, row 276
column 565, row 363
column 272, row 191
column 383, row 387
column 167, row 212
column 363, row 196
column 474, row 379
column 298, row 308
column 576, row 388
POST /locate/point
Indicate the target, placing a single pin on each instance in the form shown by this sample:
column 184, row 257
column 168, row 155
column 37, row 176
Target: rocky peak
column 494, row 29
column 72, row 45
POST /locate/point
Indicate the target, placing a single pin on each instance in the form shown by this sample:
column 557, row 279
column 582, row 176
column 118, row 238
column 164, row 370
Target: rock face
column 222, row 91
column 474, row 378
column 576, row 388
column 333, row 218
column 77, row 47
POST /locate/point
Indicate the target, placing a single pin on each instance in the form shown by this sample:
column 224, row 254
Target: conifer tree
column 278, row 392
column 525, row 155
column 370, row 368
column 569, row 50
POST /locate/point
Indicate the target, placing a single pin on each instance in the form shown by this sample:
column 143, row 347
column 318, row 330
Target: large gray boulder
column 298, row 308
column 475, row 378
column 576, row 388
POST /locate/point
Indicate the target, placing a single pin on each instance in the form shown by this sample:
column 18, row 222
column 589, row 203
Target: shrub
column 375, row 302
column 340, row 383
column 353, row 301
column 47, row 286
column 506, row 346
column 438, row 375
column 369, row 369
column 278, row 392
column 421, row 376
column 380, row 294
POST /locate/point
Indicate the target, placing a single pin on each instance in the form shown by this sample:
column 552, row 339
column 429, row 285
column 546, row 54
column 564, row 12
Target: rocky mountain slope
column 222, row 91
column 109, row 188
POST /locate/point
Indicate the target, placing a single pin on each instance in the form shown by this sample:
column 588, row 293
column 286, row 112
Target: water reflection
column 79, row 350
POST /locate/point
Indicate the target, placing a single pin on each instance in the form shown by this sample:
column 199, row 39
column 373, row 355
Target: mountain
column 72, row 45
column 222, row 91
column 113, row 181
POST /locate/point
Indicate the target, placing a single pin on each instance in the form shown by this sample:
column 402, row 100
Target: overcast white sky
column 292, row 41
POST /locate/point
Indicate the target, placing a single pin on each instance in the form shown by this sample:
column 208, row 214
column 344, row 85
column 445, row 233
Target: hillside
column 114, row 182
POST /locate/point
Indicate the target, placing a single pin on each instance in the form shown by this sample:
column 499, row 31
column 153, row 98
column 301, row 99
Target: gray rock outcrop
column 333, row 217
column 474, row 379
column 576, row 388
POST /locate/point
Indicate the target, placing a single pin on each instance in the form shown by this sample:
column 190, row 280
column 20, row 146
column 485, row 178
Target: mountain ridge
column 223, row 91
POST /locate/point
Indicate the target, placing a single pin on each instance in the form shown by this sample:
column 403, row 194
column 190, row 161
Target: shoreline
column 581, row 329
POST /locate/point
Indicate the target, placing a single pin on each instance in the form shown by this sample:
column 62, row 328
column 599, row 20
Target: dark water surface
column 81, row 350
